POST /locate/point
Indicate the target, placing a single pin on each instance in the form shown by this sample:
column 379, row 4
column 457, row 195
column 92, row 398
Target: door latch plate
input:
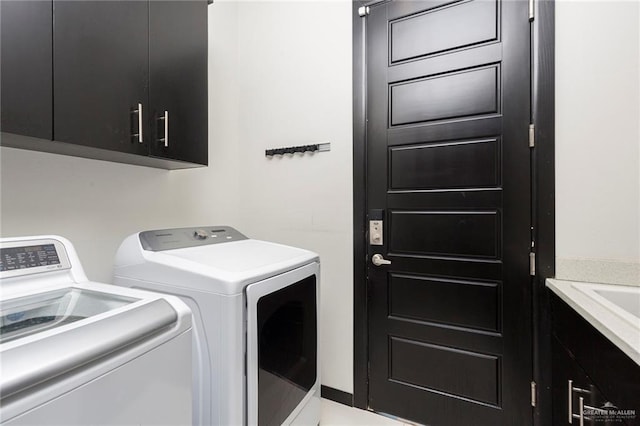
column 375, row 233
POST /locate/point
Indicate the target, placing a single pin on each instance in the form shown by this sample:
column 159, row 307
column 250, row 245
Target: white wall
column 598, row 140
column 279, row 75
column 295, row 89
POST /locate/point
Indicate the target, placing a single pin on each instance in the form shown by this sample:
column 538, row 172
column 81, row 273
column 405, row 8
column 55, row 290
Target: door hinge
column 532, row 11
column 533, row 393
column 532, row 135
column 363, row 11
column 532, row 264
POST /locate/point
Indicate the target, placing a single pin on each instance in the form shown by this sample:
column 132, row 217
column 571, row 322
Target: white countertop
column 618, row 325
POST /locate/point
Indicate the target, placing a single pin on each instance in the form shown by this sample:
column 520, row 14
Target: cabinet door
column 570, row 384
column 178, row 79
column 101, row 73
column 616, row 375
column 26, row 87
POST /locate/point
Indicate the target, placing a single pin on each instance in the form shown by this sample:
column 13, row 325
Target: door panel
column 455, row 368
column 456, row 164
column 438, row 30
column 101, row 71
column 436, row 233
column 452, row 95
column 448, row 162
column 444, row 301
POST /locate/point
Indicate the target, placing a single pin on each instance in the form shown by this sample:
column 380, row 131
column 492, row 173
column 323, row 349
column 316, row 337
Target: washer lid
column 229, row 267
column 107, row 323
column 244, row 256
column 29, row 315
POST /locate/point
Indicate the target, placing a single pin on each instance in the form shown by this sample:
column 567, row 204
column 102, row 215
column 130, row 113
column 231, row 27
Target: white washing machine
column 255, row 306
column 81, row 353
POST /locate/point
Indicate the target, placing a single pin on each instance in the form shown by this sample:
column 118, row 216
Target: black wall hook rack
column 319, row 147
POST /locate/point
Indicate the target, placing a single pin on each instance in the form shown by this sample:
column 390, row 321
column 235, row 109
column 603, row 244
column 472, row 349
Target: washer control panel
column 23, row 257
column 170, row 239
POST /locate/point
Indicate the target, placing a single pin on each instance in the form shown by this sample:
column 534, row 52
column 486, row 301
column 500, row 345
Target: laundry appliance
column 255, row 306
column 75, row 352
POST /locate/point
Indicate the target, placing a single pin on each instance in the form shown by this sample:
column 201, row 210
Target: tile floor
column 334, row 414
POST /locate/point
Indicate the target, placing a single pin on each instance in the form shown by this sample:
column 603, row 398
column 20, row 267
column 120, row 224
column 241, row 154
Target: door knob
column 378, row 260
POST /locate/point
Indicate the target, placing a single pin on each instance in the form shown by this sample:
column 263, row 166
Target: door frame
column 543, row 202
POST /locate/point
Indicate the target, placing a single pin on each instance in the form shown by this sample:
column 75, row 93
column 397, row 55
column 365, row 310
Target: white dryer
column 255, row 306
column 79, row 353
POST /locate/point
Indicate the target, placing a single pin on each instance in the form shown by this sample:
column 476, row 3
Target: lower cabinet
column 594, row 382
column 576, row 399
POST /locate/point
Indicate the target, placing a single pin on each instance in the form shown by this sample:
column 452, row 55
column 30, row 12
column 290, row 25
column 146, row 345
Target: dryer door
column 282, row 345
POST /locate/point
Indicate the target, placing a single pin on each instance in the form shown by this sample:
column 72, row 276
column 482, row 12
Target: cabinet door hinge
column 532, row 135
column 532, row 264
column 533, row 393
column 532, row 11
column 363, row 11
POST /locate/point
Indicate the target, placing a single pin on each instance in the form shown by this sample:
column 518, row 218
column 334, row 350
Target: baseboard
column 336, row 395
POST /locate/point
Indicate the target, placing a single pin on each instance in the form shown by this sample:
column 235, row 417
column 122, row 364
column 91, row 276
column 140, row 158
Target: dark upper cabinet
column 25, row 67
column 127, row 80
column 178, row 79
column 101, row 73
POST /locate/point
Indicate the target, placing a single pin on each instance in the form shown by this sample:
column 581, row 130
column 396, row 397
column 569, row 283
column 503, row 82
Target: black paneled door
column 448, row 109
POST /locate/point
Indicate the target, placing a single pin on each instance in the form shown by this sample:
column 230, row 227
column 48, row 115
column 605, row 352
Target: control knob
column 200, row 234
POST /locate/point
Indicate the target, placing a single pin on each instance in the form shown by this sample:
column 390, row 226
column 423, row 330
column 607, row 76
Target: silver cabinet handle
column 571, row 390
column 581, row 408
column 570, row 401
column 166, row 129
column 140, row 127
column 378, row 260
column 165, row 139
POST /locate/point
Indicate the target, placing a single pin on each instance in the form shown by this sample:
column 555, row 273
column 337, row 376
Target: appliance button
column 200, row 234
